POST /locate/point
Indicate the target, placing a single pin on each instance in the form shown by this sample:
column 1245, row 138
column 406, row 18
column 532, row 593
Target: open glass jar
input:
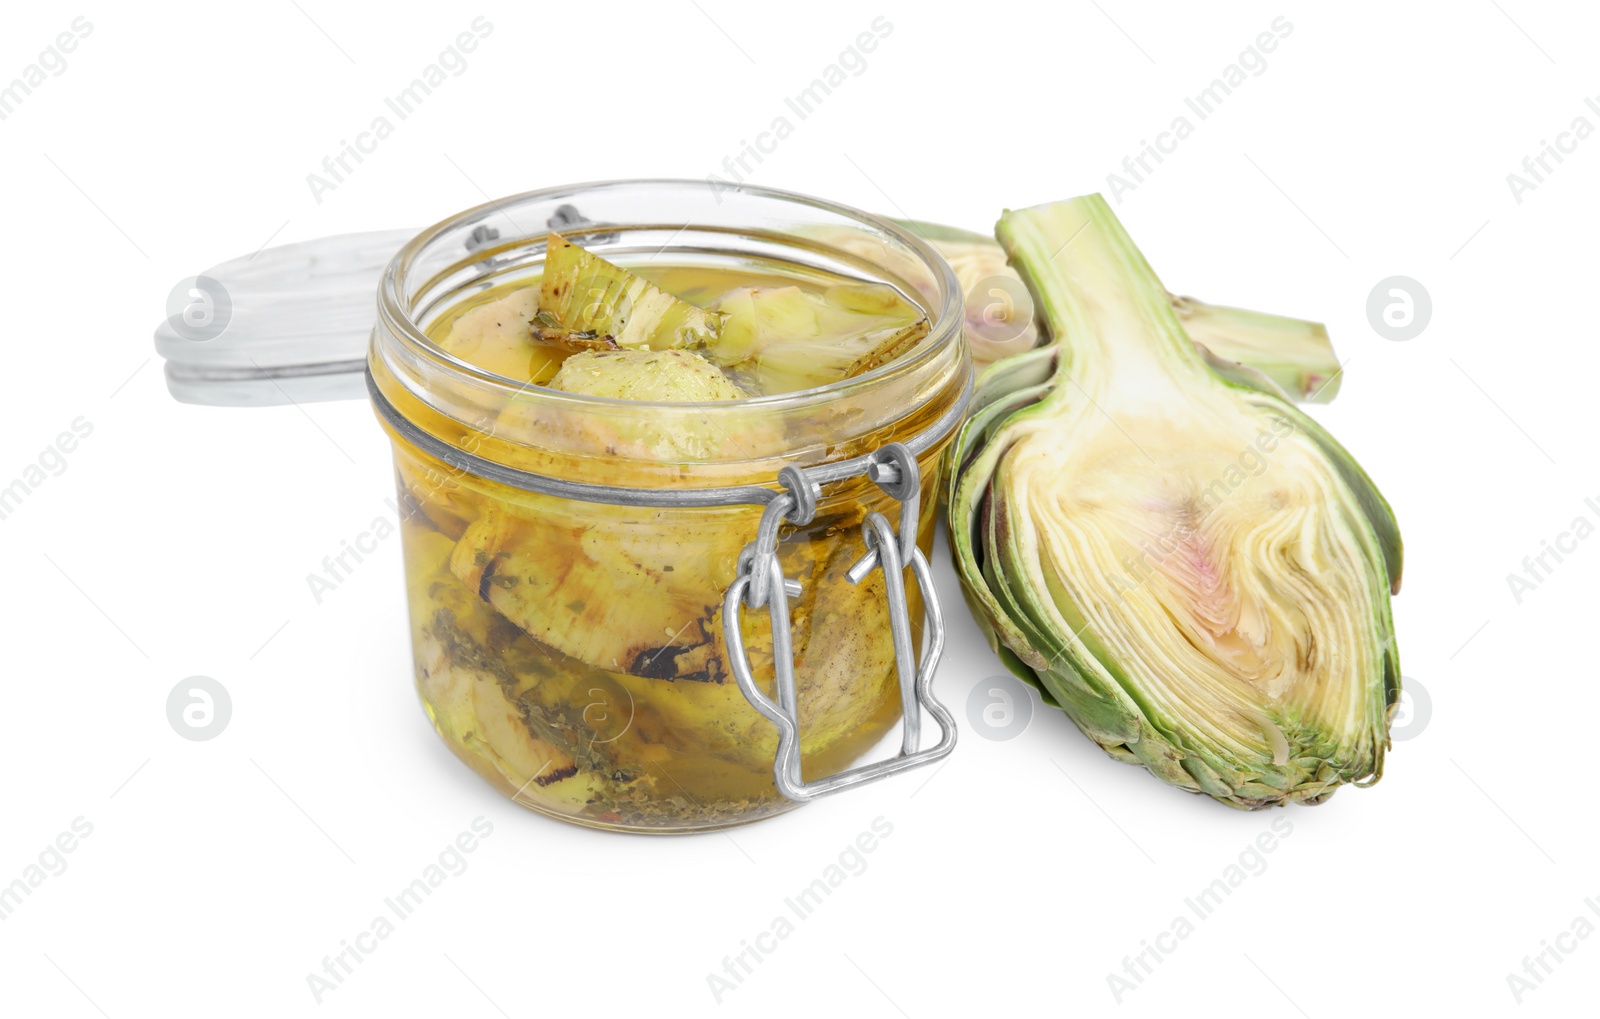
column 642, row 616
column 567, row 572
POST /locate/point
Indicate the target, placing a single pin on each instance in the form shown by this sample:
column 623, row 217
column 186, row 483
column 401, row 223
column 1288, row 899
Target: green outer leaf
column 1034, row 368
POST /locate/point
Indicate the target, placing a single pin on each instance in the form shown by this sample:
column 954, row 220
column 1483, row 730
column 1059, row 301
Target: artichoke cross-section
column 1194, row 570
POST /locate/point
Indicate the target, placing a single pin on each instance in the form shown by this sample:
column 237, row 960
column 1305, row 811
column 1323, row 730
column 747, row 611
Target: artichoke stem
column 1075, row 253
column 1293, row 353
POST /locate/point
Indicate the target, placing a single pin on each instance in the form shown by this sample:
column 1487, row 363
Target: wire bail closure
column 893, row 468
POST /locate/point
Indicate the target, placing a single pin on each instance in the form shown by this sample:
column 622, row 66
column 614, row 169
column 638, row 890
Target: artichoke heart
column 1192, row 568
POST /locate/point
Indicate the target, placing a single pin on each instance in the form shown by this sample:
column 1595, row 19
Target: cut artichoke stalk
column 793, row 339
column 1296, row 355
column 586, row 301
column 1194, row 570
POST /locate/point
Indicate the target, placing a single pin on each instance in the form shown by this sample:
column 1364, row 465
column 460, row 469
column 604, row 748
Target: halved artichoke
column 1192, row 568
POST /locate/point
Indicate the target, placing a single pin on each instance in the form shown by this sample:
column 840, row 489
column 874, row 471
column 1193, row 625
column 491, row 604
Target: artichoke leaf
column 1021, row 371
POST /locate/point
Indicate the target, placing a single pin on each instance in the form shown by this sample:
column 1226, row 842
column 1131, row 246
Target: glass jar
column 573, row 648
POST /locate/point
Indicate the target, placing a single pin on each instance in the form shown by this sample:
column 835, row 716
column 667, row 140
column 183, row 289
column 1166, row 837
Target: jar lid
column 289, row 323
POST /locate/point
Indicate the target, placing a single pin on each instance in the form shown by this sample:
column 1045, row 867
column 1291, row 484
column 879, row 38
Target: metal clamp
column 894, row 469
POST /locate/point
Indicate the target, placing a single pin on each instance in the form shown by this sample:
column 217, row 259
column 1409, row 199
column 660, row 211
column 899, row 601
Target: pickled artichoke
column 498, row 336
column 1189, row 566
column 676, row 375
column 574, row 653
column 610, row 747
column 583, row 296
column 792, row 338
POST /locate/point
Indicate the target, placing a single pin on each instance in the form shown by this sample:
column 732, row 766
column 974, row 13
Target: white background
column 177, row 541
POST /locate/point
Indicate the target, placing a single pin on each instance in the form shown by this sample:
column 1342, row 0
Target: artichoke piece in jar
column 679, row 376
column 622, row 595
column 585, row 741
column 583, row 297
column 679, row 433
column 791, row 338
column 467, row 673
column 498, row 336
column 575, row 652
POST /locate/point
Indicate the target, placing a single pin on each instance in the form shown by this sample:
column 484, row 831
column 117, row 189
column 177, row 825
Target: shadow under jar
column 573, row 651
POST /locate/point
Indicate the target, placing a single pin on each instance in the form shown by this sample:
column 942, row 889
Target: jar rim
column 945, row 327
